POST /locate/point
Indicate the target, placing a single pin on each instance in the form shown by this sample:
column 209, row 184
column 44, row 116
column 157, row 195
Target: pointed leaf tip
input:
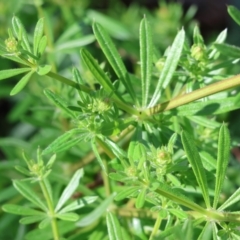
column 21, row 84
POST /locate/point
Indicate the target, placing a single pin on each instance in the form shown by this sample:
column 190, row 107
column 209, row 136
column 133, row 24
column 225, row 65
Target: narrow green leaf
column 115, row 28
column 21, row 84
column 69, row 190
column 113, row 226
column 196, row 163
column 97, row 72
column 42, row 45
column 12, row 72
column 100, row 161
column 177, row 196
column 137, row 153
column 174, row 180
column 215, row 231
column 222, row 36
column 69, row 33
column 206, row 233
column 113, row 57
column 197, row 37
column 77, row 76
column 38, row 32
column 126, row 192
column 118, row 152
column 43, row 70
column 76, row 43
column 16, row 59
column 220, row 39
column 231, row 200
column 118, row 176
column 44, row 223
column 141, row 198
column 169, row 66
column 21, row 210
column 234, row 13
column 178, row 213
column 203, row 121
column 65, row 141
column 23, row 170
column 171, row 143
column 21, row 33
column 228, row 50
column 78, row 204
column 59, row 102
column 209, row 161
column 72, row 217
column 96, row 213
column 222, row 161
column 51, row 161
column 146, row 53
column 48, row 185
column 32, row 219
column 28, row 193
column 145, row 169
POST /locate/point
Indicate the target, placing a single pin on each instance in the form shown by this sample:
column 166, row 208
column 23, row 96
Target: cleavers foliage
column 154, row 133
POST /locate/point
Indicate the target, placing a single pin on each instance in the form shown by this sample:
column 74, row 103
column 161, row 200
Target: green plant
column 173, row 186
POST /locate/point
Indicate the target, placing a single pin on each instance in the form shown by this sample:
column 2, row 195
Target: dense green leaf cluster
column 162, row 156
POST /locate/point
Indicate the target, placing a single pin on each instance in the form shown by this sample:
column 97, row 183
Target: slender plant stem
column 156, row 227
column 69, row 82
column 105, row 147
column 207, row 213
column 105, row 178
column 51, row 210
column 133, row 212
column 195, row 95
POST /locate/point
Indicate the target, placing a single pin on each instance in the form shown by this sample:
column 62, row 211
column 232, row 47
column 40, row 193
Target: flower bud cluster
column 11, row 45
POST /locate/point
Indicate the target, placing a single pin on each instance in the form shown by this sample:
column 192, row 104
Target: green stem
column 69, row 82
column 206, row 213
column 195, row 95
column 105, row 178
column 51, row 210
column 105, row 148
column 181, row 201
column 133, row 212
column 156, row 227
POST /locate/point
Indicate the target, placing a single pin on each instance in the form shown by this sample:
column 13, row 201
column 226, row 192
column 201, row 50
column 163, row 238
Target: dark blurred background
column 211, row 15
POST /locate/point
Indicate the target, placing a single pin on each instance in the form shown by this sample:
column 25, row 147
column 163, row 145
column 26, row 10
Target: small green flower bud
column 198, row 52
column 103, row 105
column 160, row 64
column 99, row 105
column 35, row 169
column 161, row 170
column 11, row 45
column 163, row 157
column 131, row 171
